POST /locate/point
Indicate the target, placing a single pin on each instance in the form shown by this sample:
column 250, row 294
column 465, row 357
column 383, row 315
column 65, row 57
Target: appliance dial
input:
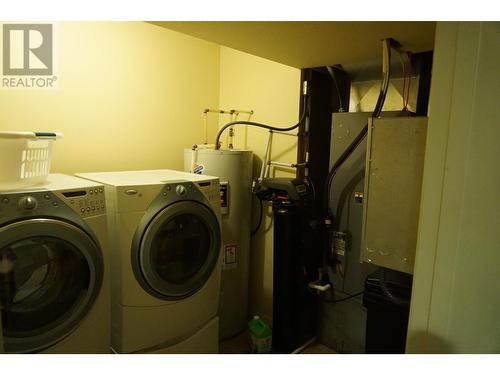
column 27, row 203
column 180, row 190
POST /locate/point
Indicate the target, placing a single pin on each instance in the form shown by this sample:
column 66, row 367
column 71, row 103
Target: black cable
column 345, row 298
column 260, row 218
column 332, row 74
column 259, row 125
column 342, row 158
column 362, row 134
column 310, row 182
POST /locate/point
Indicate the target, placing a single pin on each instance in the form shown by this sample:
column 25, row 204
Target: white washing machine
column 54, row 283
column 165, row 236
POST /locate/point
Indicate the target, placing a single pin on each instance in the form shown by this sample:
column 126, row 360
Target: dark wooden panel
column 423, row 63
column 324, row 99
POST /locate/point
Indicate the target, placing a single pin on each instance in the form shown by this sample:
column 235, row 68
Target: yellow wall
column 455, row 300
column 272, row 91
column 130, row 95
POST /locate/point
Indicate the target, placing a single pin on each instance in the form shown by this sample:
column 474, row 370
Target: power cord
column 260, row 218
column 344, row 299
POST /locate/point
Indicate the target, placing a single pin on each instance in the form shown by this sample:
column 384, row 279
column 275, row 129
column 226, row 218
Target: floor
column 239, row 345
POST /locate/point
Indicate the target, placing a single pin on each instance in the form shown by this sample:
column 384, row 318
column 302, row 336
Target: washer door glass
column 50, row 272
column 180, row 249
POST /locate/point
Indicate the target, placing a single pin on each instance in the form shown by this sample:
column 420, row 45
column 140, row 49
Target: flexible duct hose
column 396, row 300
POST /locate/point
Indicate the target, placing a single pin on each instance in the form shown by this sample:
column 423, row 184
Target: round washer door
column 179, row 250
column 50, row 275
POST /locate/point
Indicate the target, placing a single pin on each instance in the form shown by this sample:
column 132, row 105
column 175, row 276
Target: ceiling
column 311, row 44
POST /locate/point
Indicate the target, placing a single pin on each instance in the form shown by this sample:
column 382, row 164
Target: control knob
column 180, row 190
column 27, row 203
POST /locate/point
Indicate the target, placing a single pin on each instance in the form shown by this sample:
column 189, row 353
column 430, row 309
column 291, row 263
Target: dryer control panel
column 182, row 189
column 211, row 190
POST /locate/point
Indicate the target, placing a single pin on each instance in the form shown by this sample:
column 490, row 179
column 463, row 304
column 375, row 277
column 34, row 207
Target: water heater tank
column 234, row 169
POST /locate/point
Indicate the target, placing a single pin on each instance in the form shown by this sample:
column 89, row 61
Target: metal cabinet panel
column 393, row 181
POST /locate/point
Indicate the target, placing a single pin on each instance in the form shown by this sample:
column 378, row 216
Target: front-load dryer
column 54, row 292
column 165, row 233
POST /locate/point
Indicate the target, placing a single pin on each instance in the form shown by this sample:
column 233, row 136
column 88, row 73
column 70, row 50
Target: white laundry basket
column 25, row 158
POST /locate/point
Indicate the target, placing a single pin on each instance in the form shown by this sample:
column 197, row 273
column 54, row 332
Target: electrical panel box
column 346, row 199
column 345, row 203
column 393, row 183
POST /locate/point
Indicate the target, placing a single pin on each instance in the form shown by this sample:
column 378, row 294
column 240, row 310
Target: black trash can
column 387, row 318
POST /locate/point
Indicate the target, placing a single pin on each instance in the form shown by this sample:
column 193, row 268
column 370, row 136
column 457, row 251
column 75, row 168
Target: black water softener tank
column 295, row 308
column 285, row 283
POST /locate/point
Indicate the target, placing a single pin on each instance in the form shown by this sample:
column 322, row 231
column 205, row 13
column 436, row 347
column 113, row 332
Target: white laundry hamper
column 25, row 158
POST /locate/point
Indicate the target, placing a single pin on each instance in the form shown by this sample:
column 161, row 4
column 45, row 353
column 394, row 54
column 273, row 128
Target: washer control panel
column 86, row 202
column 28, row 203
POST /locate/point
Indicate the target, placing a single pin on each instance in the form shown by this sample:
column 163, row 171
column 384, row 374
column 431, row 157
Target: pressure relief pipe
column 265, row 126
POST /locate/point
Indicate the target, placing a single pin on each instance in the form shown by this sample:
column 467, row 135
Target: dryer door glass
column 46, row 278
column 180, row 250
